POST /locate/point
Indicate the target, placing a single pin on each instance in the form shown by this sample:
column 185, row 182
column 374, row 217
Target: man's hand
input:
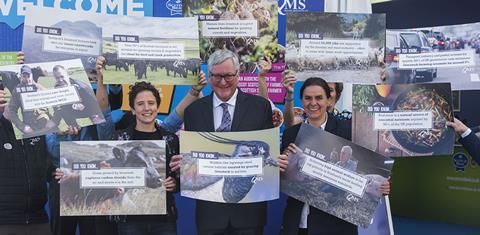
column 170, row 184
column 458, row 126
column 175, row 163
column 20, row 57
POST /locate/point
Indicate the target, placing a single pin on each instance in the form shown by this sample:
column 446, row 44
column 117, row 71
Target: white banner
column 113, row 178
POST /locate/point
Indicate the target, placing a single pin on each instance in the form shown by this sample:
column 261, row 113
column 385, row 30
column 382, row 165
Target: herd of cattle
column 172, row 67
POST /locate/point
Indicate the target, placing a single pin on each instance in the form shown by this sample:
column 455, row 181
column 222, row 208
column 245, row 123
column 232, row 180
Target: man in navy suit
column 228, row 109
column 468, row 138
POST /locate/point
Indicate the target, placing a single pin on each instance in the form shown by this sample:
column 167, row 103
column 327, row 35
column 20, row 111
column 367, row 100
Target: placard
column 403, row 119
column 162, row 51
column 248, row 28
column 438, row 54
column 230, row 167
column 112, row 178
column 336, row 176
column 339, row 47
column 49, row 97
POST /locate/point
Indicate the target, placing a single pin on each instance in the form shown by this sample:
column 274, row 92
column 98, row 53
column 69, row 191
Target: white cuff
column 466, row 133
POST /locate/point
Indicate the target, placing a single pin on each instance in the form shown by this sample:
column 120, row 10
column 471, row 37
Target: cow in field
column 140, row 68
column 112, row 60
column 177, row 67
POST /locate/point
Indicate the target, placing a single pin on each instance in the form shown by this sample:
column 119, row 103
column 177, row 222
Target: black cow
column 193, row 65
column 140, row 68
column 155, row 65
column 112, row 59
column 10, row 79
column 177, row 67
column 100, row 197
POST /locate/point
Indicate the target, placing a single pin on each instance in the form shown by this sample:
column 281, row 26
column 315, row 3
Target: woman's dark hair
column 315, row 81
column 139, row 87
column 338, row 90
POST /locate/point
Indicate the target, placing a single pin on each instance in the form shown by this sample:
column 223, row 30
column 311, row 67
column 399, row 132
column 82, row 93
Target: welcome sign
column 12, row 14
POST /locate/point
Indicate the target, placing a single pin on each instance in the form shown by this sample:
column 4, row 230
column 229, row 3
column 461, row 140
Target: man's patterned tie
column 226, row 123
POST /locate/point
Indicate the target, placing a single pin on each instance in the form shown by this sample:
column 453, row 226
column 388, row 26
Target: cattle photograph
column 163, row 51
column 112, row 178
column 49, row 97
column 246, row 27
column 338, row 47
column 335, row 175
column 230, row 167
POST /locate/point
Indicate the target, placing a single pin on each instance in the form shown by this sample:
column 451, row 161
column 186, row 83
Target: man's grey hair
column 347, row 148
column 58, row 67
column 219, row 56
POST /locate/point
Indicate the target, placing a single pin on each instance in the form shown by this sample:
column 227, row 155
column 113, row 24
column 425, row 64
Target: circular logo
column 460, row 161
column 7, row 146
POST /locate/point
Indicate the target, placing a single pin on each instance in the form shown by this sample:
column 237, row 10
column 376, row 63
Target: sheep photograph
column 338, row 47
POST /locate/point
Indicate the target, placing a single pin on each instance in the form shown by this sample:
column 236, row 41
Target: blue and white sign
column 285, row 6
column 13, row 14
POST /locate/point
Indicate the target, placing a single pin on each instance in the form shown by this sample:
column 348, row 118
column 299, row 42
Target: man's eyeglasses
column 227, row 77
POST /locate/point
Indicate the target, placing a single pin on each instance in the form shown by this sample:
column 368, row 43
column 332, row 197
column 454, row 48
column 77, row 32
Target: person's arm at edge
column 471, row 143
column 288, row 82
column 106, row 129
column 102, row 94
column 193, row 94
column 265, row 66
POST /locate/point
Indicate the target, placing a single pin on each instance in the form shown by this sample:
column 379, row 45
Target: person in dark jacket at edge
column 25, row 167
column 467, row 138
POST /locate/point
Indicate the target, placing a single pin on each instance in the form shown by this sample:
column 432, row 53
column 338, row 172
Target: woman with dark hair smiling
column 299, row 217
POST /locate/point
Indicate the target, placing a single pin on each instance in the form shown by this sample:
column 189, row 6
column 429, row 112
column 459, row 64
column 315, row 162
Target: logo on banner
column 175, row 7
column 460, row 161
column 13, row 11
column 291, row 6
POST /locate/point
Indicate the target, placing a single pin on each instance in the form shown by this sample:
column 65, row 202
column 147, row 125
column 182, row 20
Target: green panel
column 8, row 58
column 431, row 188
